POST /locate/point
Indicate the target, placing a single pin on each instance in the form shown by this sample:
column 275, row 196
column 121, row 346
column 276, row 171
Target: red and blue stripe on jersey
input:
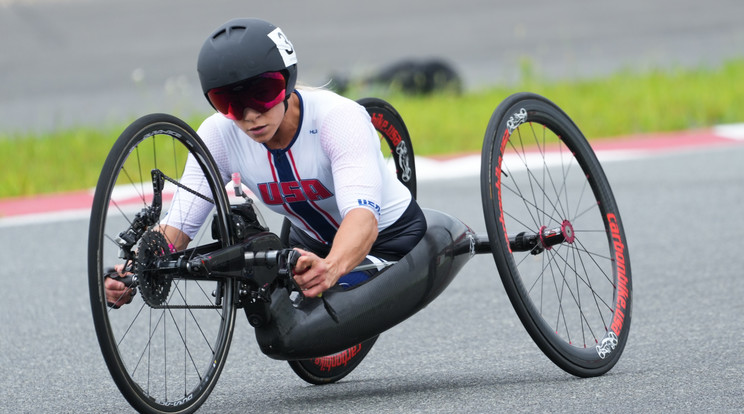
column 298, row 196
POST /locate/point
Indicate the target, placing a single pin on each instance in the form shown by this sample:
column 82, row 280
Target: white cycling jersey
column 333, row 165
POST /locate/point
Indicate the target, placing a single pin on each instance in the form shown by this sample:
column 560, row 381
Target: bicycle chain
column 179, row 185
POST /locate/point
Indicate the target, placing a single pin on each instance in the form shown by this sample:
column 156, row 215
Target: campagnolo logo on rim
column 405, row 166
column 608, row 344
column 163, row 132
column 176, row 403
column 517, row 119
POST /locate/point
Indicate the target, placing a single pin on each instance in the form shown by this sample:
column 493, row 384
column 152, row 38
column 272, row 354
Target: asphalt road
column 467, row 351
column 71, row 62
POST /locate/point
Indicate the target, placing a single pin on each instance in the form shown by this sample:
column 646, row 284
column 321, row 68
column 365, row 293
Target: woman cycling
column 308, row 154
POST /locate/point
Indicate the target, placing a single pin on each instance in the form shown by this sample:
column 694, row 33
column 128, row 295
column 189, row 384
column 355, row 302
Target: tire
column 393, row 132
column 539, row 174
column 331, row 368
column 165, row 350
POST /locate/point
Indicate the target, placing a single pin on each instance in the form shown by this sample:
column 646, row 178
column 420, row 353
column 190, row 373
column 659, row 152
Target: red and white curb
column 607, row 150
column 76, row 205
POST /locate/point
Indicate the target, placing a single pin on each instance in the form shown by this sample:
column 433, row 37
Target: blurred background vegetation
column 445, row 122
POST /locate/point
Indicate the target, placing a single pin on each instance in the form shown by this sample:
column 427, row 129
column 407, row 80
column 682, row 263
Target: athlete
column 309, row 154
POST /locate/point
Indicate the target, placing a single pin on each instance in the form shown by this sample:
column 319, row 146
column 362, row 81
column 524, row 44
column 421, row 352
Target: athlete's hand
column 117, row 293
column 313, row 274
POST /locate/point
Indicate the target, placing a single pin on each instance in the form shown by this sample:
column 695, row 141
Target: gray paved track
column 467, row 351
column 66, row 62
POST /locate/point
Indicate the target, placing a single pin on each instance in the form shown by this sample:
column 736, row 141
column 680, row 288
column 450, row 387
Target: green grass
column 621, row 104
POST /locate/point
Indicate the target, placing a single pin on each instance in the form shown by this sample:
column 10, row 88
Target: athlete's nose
column 250, row 114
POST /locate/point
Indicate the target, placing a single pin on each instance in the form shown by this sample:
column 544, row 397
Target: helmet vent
column 231, row 30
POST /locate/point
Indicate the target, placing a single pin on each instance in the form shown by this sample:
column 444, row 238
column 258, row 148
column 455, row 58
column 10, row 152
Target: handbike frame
column 290, row 329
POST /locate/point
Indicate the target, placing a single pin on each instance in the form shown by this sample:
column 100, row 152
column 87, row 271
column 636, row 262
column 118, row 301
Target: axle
column 534, row 243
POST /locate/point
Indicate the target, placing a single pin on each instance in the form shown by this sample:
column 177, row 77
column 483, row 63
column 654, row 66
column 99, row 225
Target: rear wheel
column 396, row 144
column 165, row 349
column 395, row 138
column 556, row 235
column 331, row 368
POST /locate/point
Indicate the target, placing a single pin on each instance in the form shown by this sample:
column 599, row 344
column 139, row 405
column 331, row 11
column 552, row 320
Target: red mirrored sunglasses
column 260, row 93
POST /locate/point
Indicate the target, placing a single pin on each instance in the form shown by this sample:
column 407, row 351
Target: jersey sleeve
column 352, row 144
column 187, row 211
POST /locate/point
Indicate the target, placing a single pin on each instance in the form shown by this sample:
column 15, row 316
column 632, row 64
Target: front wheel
column 166, row 348
column 556, row 235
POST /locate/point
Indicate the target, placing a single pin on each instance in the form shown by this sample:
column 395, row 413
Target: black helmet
column 243, row 48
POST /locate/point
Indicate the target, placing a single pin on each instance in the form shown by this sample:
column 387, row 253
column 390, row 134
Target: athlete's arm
column 188, row 212
column 175, row 237
column 353, row 241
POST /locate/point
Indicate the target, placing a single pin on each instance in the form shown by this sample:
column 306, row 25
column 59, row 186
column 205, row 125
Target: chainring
column 154, row 285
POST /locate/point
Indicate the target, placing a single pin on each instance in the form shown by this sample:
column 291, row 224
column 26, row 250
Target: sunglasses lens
column 260, row 94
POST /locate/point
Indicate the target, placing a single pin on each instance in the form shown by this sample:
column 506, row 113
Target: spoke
column 134, row 319
column 139, row 171
column 196, row 321
column 557, row 205
column 583, row 212
column 517, row 190
column 575, row 295
column 523, row 157
column 147, row 347
column 186, row 348
column 578, row 275
column 530, row 207
column 559, row 296
column 597, row 298
column 594, row 256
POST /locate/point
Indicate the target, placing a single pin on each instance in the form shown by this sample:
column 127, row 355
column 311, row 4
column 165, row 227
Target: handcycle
column 553, row 229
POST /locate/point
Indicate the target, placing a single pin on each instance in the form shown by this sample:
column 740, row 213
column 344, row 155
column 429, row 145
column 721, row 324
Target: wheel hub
column 568, row 231
column 551, row 237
